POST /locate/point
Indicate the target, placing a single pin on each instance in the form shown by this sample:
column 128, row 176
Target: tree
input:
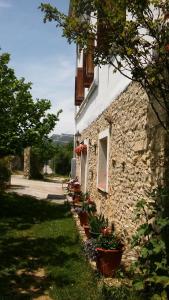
column 132, row 36
column 61, row 162
column 41, row 154
column 24, row 122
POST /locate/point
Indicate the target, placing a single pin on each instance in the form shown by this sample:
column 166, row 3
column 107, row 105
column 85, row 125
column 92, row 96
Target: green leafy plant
column 121, row 292
column 109, row 242
column 150, row 240
column 89, row 207
column 97, row 223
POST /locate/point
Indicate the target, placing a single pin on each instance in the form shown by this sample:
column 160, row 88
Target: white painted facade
column 106, row 87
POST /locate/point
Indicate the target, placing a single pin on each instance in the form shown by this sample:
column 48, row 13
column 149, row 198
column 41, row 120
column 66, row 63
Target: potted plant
column 76, row 197
column 83, row 217
column 97, row 223
column 76, row 187
column 89, row 209
column 71, row 183
column 109, row 251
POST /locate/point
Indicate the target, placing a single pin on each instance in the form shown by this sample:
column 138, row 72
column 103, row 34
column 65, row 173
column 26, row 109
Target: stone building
column 126, row 145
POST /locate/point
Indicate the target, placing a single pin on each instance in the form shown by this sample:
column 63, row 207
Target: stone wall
column 27, row 157
column 136, row 156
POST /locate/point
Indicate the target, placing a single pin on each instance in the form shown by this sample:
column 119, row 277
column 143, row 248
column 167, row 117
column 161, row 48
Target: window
column 102, row 175
column 84, row 167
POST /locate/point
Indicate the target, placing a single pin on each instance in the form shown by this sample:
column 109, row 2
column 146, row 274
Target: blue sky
column 40, row 54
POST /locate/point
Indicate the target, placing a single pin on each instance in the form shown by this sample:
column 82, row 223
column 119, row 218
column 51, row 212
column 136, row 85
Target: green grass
column 40, row 235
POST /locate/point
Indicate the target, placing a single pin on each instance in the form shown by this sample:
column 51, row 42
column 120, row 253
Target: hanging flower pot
column 78, row 150
column 82, row 148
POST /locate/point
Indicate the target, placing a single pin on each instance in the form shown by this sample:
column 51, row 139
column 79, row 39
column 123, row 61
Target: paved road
column 39, row 189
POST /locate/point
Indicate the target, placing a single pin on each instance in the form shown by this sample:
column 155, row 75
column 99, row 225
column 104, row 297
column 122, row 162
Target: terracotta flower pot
column 77, row 189
column 108, row 261
column 83, row 217
column 76, row 199
column 86, row 229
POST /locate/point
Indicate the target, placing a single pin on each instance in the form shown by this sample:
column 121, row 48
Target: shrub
column 121, row 292
column 151, row 241
column 5, row 173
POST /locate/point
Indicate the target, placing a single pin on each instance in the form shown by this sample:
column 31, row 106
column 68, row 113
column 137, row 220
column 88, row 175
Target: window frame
column 104, row 134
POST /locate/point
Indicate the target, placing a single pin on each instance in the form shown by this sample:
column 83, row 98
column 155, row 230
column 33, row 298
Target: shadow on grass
column 55, row 197
column 22, row 261
column 17, row 187
column 24, row 211
column 23, row 257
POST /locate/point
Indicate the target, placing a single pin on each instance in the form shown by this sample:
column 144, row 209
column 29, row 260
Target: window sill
column 102, row 189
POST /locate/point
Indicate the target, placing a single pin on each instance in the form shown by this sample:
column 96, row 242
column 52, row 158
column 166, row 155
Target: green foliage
column 151, row 241
column 109, row 242
column 61, row 162
column 5, row 172
column 24, row 122
column 137, row 47
column 89, row 207
column 121, row 292
column 40, row 154
column 97, row 222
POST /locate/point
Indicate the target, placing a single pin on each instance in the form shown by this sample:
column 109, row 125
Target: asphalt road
column 39, row 189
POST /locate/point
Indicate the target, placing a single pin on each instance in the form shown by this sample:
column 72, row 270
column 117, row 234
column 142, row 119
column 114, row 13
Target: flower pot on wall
column 108, row 261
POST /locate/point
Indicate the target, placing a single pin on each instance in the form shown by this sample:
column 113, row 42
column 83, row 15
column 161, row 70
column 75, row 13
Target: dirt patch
column 38, row 277
column 37, row 273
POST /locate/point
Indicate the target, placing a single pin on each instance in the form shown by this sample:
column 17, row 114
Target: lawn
column 41, row 253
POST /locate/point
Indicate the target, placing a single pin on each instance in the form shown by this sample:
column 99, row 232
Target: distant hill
column 62, row 138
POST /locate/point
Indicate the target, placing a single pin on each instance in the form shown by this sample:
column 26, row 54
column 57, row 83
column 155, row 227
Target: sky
column 40, row 54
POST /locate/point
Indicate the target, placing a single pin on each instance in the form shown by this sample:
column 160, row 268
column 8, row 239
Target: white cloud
column 5, row 4
column 52, row 78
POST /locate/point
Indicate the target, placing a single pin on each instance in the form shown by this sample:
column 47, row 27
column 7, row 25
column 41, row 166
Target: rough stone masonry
column 137, row 156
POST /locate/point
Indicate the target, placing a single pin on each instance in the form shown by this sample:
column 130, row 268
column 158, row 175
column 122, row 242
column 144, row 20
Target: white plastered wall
column 106, row 87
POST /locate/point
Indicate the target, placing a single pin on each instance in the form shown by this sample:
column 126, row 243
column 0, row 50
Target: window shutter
column 79, row 87
column 88, row 64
